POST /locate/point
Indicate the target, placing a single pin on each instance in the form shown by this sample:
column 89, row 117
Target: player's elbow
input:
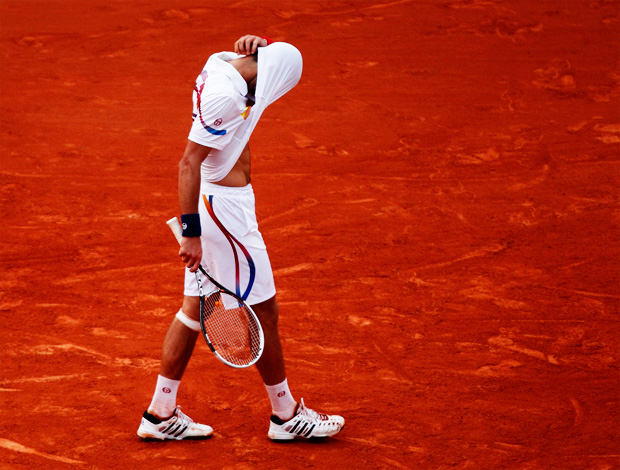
column 185, row 163
column 194, row 155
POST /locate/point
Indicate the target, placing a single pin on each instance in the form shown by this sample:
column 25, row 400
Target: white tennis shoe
column 305, row 423
column 178, row 426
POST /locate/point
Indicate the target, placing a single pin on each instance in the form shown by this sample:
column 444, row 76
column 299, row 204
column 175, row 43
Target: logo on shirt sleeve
column 217, row 122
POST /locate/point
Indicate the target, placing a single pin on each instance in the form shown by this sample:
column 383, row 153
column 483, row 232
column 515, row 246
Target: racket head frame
column 250, row 312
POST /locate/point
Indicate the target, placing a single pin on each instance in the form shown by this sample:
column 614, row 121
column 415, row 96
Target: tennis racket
column 230, row 327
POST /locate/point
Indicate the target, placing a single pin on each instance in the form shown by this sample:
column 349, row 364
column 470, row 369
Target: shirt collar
column 219, row 62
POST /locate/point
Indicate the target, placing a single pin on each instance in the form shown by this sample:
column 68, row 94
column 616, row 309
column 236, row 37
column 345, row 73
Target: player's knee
column 191, row 307
column 187, row 321
column 271, row 319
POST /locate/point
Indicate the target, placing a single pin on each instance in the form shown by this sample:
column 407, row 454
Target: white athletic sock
column 282, row 402
column 165, row 397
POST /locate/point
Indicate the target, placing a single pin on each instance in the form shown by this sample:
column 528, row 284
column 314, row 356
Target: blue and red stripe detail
column 233, row 241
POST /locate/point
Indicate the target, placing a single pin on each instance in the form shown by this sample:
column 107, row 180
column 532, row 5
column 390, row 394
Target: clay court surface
column 439, row 196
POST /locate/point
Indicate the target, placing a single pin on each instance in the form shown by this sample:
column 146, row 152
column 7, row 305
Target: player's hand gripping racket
column 228, row 324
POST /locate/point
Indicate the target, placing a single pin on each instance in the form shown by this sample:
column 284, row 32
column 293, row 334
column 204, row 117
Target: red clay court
column 439, row 196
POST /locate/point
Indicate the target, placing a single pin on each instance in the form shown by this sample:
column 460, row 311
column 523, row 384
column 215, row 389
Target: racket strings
column 233, row 331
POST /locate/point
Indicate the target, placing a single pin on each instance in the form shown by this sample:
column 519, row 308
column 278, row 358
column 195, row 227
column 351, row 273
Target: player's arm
column 248, row 44
column 189, row 193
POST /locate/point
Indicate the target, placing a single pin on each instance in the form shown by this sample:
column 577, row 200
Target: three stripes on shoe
column 173, row 428
column 299, row 428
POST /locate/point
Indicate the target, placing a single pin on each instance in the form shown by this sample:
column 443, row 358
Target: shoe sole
column 286, row 437
column 151, row 438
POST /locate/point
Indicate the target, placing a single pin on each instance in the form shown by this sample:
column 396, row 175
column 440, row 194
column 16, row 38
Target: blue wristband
column 191, row 225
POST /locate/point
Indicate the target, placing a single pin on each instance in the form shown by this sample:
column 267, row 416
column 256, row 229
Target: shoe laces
column 310, row 413
column 182, row 416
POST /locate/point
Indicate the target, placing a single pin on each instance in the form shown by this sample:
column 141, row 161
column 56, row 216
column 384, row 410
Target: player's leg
column 164, row 419
column 271, row 364
column 176, row 351
column 289, row 419
column 180, row 340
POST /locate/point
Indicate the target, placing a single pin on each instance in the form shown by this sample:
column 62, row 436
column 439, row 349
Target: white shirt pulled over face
column 223, row 120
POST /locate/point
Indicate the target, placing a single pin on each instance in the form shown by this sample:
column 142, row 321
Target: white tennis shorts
column 233, row 250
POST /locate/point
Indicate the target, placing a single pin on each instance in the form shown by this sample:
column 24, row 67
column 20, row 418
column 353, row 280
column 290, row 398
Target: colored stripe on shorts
column 232, row 240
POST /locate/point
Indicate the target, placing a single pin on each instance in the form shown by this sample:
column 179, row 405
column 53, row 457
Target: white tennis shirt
column 222, row 119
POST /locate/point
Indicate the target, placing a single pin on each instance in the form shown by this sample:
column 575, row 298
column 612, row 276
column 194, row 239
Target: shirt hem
column 198, row 140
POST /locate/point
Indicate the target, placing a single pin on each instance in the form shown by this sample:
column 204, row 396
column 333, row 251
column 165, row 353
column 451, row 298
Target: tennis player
column 220, row 231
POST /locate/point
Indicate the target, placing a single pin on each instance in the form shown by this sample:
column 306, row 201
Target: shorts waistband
column 233, row 191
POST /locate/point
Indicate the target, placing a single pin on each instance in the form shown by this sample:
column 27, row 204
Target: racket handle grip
column 176, row 228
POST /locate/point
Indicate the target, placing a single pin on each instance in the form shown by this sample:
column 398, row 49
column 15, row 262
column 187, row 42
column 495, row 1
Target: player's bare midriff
column 239, row 176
